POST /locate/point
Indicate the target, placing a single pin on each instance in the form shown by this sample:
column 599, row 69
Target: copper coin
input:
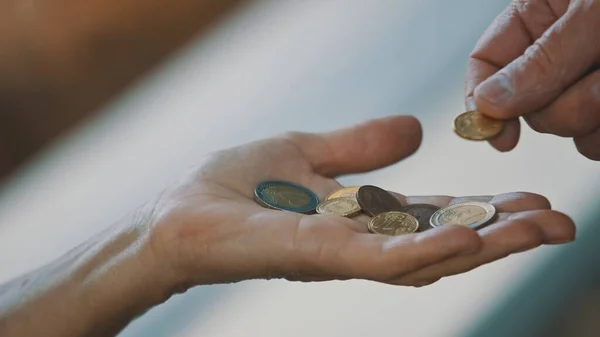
column 423, row 213
column 474, row 125
column 374, row 200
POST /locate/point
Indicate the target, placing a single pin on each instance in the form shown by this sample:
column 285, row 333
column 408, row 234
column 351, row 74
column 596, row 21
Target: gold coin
column 347, row 207
column 346, row 192
column 473, row 125
column 470, row 214
column 393, row 223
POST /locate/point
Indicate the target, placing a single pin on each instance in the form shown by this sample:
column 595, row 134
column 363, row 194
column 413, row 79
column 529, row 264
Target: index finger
column 509, row 35
column 505, row 39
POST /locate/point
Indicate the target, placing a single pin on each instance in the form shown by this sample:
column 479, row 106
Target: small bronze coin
column 346, row 192
column 474, row 125
column 374, row 200
column 421, row 212
column 346, row 207
column 286, row 196
column 471, row 214
column 393, row 224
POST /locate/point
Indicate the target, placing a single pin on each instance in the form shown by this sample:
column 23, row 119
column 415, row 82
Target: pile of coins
column 473, row 125
column 388, row 216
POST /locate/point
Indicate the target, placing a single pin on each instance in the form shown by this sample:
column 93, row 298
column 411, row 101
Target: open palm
column 211, row 230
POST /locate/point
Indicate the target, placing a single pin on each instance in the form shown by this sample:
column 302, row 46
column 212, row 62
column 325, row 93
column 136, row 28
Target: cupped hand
column 209, row 229
column 540, row 60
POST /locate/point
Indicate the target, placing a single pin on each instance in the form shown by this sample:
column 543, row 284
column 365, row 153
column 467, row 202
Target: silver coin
column 470, row 214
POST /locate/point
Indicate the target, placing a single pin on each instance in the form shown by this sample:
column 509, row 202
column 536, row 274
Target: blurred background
column 312, row 66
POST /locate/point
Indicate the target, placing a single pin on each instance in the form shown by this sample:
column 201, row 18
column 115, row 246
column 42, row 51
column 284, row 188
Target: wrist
column 94, row 290
column 123, row 276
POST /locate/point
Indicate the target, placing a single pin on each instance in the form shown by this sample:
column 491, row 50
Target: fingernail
column 497, row 90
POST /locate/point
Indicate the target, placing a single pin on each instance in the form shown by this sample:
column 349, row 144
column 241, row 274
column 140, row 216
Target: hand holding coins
column 388, row 215
column 273, row 209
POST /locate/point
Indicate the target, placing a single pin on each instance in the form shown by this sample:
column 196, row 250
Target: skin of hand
column 540, row 60
column 208, row 229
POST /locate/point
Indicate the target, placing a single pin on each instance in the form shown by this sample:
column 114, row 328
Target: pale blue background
column 310, row 66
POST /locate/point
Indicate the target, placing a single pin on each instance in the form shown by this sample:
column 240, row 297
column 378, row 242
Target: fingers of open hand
column 309, row 159
column 515, row 233
column 327, row 250
column 505, row 203
column 324, row 252
column 364, row 147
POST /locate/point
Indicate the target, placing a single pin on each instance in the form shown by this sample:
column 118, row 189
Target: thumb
column 566, row 51
column 364, row 147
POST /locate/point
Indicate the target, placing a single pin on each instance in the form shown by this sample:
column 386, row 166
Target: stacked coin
column 388, row 215
column 470, row 214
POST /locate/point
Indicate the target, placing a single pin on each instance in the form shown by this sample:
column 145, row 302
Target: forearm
column 60, row 59
column 94, row 290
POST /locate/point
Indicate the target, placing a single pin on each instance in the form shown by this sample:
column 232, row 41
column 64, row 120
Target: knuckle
column 538, row 55
column 565, row 123
column 543, row 65
column 575, row 113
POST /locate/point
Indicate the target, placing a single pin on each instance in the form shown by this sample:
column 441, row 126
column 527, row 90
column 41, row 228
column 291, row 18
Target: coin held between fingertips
column 473, row 125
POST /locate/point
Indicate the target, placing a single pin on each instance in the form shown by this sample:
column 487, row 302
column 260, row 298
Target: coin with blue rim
column 286, row 196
